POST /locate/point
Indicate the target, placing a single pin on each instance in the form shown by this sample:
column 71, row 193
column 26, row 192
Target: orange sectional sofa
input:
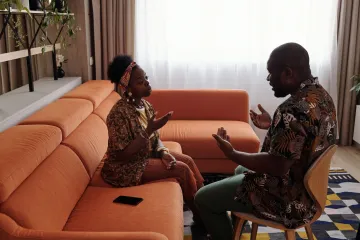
column 50, row 183
column 197, row 115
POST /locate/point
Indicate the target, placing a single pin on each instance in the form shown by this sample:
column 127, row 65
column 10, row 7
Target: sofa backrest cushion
column 22, row 150
column 106, row 106
column 46, row 198
column 94, row 90
column 202, row 104
column 65, row 114
column 89, row 141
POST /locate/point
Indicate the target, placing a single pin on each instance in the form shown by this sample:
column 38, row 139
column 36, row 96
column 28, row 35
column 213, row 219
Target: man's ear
column 288, row 72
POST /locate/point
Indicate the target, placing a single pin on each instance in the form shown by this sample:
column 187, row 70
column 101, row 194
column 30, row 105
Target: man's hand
column 169, row 160
column 263, row 120
column 223, row 141
column 156, row 124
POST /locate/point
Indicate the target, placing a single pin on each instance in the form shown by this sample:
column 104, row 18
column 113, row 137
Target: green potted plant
column 59, row 63
column 18, row 34
column 356, row 88
column 60, row 18
column 64, row 21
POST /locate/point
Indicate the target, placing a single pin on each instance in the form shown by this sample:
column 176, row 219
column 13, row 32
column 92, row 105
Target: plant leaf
column 2, row 5
column 355, row 78
column 357, row 88
column 19, row 6
column 27, row 10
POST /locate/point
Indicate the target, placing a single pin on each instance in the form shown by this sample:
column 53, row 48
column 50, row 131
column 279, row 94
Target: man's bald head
column 289, row 66
column 294, row 56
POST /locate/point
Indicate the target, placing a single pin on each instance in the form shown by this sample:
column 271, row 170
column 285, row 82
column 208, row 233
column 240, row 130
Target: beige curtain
column 114, row 24
column 348, row 65
column 14, row 74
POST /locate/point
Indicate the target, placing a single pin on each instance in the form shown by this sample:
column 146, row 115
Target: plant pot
column 60, row 5
column 60, row 72
column 35, row 5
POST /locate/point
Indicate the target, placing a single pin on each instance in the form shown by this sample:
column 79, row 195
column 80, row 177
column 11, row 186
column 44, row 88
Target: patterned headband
column 124, row 81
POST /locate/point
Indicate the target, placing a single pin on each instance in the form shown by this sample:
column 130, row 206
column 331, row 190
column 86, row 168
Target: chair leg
column 309, row 232
column 254, row 230
column 290, row 235
column 238, row 227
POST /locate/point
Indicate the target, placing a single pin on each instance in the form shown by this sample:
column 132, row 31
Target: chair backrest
column 316, row 179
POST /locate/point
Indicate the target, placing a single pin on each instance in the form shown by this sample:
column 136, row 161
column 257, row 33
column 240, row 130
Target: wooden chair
column 316, row 183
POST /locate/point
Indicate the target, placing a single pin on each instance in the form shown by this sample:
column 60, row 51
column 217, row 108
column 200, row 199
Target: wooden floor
column 348, row 158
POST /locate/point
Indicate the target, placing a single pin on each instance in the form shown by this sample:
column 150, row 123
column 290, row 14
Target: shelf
column 18, row 104
column 38, row 13
column 29, row 50
column 4, row 57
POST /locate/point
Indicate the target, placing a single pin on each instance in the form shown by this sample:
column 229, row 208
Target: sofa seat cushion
column 195, row 137
column 97, row 180
column 160, row 212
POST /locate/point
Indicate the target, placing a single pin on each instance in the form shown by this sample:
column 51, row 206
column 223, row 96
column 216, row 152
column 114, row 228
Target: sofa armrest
column 9, row 230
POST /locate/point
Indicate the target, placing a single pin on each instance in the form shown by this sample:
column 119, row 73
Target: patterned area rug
column 340, row 220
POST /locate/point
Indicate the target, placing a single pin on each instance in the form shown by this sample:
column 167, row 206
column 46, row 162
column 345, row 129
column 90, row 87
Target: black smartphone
column 128, row 200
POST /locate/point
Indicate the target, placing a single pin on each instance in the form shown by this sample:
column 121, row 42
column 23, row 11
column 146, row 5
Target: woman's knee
column 185, row 159
column 182, row 170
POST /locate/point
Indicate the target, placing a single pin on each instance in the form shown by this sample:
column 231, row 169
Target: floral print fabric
column 303, row 127
column 124, row 126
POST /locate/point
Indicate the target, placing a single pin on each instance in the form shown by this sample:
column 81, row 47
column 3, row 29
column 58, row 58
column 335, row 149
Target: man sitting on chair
column 270, row 184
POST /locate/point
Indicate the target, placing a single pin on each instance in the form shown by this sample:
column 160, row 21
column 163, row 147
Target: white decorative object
column 26, row 3
column 356, row 137
column 59, row 60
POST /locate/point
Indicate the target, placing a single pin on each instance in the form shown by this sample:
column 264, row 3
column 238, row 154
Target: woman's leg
column 199, row 183
column 156, row 170
column 190, row 162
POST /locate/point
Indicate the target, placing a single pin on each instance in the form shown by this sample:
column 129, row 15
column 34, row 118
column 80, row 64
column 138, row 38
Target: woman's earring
column 130, row 94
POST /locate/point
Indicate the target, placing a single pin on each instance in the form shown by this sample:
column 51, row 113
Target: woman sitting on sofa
column 135, row 153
